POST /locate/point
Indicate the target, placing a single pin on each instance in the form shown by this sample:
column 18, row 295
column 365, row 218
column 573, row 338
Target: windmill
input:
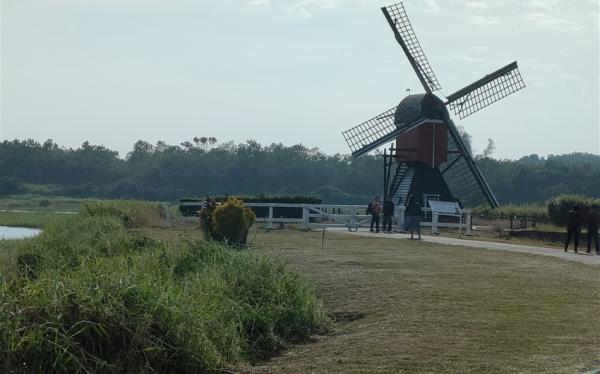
column 430, row 159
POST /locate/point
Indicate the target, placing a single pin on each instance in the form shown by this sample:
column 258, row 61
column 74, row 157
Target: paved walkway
column 544, row 251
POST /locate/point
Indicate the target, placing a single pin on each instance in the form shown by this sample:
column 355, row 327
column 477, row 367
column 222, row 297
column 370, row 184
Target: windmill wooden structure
column 430, row 159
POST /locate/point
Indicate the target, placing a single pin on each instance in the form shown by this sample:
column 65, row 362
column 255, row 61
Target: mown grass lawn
column 409, row 306
column 32, row 202
column 32, row 219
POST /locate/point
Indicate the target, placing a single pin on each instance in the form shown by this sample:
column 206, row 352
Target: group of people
column 412, row 215
column 412, row 218
column 575, row 224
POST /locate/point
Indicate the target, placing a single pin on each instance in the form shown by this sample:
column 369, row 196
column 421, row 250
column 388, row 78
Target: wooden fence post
column 305, row 217
column 270, row 218
column 469, row 222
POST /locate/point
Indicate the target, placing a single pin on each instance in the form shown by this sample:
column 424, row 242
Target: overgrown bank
column 91, row 296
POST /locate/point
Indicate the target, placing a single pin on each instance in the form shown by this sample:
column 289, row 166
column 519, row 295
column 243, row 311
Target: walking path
column 544, row 251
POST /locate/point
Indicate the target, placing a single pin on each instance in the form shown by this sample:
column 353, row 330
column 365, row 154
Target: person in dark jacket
column 573, row 227
column 412, row 216
column 388, row 214
column 593, row 222
column 375, row 209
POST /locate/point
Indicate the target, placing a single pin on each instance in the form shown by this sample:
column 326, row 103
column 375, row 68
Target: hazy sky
column 290, row 71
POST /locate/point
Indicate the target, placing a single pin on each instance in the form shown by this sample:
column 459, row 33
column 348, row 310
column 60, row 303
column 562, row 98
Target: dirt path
column 588, row 259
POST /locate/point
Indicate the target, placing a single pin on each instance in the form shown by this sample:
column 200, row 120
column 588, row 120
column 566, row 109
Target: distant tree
column 466, row 138
column 533, row 160
column 164, row 171
column 489, row 149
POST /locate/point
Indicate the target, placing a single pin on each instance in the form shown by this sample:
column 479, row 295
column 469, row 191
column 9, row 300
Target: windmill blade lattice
column 486, row 91
column 369, row 132
column 405, row 35
column 462, row 175
column 382, row 128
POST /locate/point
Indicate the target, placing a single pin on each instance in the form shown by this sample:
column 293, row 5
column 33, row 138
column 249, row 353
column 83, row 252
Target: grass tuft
column 91, row 296
column 132, row 213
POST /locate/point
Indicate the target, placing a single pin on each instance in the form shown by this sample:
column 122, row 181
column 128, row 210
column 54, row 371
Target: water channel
column 7, row 232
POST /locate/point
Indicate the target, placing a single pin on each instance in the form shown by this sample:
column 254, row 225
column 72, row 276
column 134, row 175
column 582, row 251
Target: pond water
column 7, row 232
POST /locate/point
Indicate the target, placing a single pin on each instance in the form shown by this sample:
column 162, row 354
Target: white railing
column 464, row 221
column 349, row 216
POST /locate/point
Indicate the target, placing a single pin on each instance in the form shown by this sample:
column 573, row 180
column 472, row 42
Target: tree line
column 202, row 166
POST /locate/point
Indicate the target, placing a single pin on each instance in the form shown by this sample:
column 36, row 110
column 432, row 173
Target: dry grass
column 490, row 236
column 409, row 306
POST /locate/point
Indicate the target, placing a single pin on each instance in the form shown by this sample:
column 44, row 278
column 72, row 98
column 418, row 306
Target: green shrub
column 559, row 206
column 10, row 185
column 132, row 213
column 206, row 219
column 537, row 211
column 105, row 300
column 231, row 222
column 27, row 264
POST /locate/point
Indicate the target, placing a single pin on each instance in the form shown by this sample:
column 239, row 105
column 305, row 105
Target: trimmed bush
column 230, row 222
column 559, row 206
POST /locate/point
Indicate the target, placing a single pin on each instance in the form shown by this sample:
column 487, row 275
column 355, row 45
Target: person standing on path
column 375, row 208
column 388, row 214
column 413, row 216
column 573, row 227
column 593, row 222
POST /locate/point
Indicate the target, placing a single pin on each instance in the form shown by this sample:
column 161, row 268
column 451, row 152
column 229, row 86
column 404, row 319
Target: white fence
column 351, row 216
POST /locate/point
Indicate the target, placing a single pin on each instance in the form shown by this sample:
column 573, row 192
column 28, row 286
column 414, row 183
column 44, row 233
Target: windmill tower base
column 420, row 180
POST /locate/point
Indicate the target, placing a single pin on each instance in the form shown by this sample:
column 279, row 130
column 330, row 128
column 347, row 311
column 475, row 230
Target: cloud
column 540, row 66
column 483, row 5
column 299, row 10
column 305, row 8
column 547, row 21
column 571, row 78
column 259, row 2
column 546, row 5
column 470, row 59
column 475, row 5
column 483, row 21
column 430, row 6
column 479, row 49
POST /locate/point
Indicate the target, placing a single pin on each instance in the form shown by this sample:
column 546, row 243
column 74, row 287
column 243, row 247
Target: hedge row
column 191, row 210
column 558, row 207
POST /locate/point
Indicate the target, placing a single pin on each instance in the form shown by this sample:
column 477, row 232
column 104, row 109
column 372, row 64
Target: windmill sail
column 419, row 169
column 405, row 35
column 384, row 127
column 462, row 175
column 486, row 91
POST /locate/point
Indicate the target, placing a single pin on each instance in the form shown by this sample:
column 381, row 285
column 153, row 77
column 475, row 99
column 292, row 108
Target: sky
column 289, row 71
